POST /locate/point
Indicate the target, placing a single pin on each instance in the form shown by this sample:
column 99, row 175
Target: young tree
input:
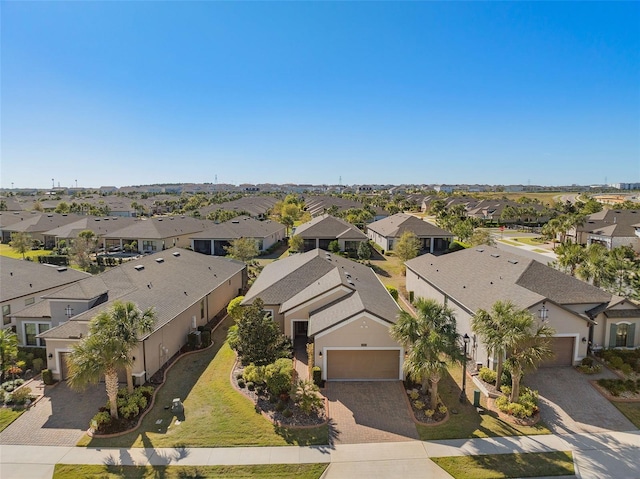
column 428, row 338
column 482, row 236
column 107, row 348
column 334, row 246
column 258, row 338
column 8, row 350
column 20, row 243
column 364, row 250
column 243, row 249
column 407, row 247
column 296, row 243
column 83, row 246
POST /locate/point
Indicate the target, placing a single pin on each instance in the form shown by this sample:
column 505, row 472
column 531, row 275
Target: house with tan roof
column 387, row 231
column 185, row 289
column 323, row 229
column 582, row 315
column 217, row 237
column 339, row 305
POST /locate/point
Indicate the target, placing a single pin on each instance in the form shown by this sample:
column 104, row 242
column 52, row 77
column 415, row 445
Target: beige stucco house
column 472, row 279
column 339, row 305
column 323, row 229
column 185, row 289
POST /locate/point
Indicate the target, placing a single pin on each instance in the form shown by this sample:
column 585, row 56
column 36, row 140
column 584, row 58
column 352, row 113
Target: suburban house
column 319, row 205
column 257, row 207
column 476, row 278
column 185, row 289
column 37, row 225
column 157, row 234
column 387, row 231
column 217, row 237
column 322, row 230
column 101, row 226
column 338, row 304
column 24, row 283
column 611, row 228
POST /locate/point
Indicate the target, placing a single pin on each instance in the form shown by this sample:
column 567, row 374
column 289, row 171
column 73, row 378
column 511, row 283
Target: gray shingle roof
column 99, row 225
column 160, row 227
column 25, row 278
column 240, row 227
column 169, row 286
column 623, row 313
column 42, row 223
column 329, row 227
column 478, row 277
column 394, row 227
column 613, row 223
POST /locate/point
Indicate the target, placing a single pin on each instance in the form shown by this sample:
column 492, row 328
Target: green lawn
column 216, row 415
column 631, row 410
column 297, row 471
column 531, row 241
column 7, row 416
column 6, row 250
column 494, row 466
column 512, row 243
column 467, row 423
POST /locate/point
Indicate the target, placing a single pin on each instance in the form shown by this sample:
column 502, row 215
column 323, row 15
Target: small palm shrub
column 487, row 375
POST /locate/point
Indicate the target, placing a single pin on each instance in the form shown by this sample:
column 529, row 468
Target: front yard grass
column 631, row 410
column 467, row 423
column 75, row 471
column 216, row 415
column 493, row 466
column 531, row 241
column 6, row 250
column 8, row 415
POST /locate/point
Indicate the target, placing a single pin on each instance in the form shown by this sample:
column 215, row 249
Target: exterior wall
column 54, row 348
column 362, row 331
column 378, row 239
column 302, row 313
column 19, row 303
column 567, row 324
column 58, row 309
column 20, row 325
column 601, row 331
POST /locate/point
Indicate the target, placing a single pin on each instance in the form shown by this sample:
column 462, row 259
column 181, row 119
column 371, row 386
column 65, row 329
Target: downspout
column 144, row 359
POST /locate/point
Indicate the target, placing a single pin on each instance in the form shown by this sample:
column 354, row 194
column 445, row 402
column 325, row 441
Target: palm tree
column 113, row 334
column 128, row 322
column 595, row 268
column 493, row 327
column 570, row 255
column 428, row 338
column 552, row 229
column 528, row 346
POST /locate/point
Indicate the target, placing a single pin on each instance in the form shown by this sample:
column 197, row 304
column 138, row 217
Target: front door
column 300, row 328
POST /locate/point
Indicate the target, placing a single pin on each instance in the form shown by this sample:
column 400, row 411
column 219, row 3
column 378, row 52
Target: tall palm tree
column 127, row 321
column 552, row 229
column 595, row 268
column 528, row 346
column 493, row 327
column 570, row 255
column 429, row 338
column 113, row 334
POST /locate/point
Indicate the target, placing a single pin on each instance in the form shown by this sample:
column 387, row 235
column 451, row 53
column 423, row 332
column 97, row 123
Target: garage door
column 363, row 365
column 563, row 349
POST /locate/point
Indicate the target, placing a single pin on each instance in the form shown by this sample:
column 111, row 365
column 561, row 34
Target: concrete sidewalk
column 613, row 455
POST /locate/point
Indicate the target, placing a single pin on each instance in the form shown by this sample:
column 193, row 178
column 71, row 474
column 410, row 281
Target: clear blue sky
column 125, row 93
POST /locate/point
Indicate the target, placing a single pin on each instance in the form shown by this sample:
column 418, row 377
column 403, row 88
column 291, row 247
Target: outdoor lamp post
column 465, row 340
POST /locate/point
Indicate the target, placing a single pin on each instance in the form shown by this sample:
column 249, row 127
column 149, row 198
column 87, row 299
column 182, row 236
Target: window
column 29, row 301
column 621, row 335
column 268, row 313
column 148, row 245
column 6, row 311
column 202, row 309
column 33, row 329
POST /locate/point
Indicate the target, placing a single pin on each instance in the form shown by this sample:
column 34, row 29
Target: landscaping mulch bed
column 425, row 398
column 297, row 419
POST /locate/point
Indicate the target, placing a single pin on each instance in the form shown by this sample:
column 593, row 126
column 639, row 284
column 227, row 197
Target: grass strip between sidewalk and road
column 8, row 415
column 496, row 466
column 261, row 471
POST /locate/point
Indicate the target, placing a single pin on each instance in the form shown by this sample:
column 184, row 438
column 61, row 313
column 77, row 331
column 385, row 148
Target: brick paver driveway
column 570, row 404
column 60, row 418
column 373, row 411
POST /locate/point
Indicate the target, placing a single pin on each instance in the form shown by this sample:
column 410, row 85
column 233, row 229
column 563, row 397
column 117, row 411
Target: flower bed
column 282, row 411
column 619, row 389
column 624, row 362
column 130, row 408
column 419, row 403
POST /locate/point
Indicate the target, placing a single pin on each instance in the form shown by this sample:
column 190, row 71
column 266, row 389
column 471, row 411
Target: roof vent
column 159, row 260
column 495, row 255
column 62, row 268
column 139, row 267
column 176, row 254
column 479, row 250
column 513, row 261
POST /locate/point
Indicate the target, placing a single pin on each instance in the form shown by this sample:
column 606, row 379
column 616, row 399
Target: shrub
column 588, row 361
column 192, row 341
column 47, row 376
column 280, row 406
column 525, row 407
column 21, row 395
column 8, row 386
column 287, row 413
column 414, row 394
column 317, row 375
column 253, row 373
column 593, row 369
column 393, row 292
column 307, row 398
column 278, row 376
column 251, row 386
column 626, row 369
column 487, row 375
column 206, row 337
column 241, row 383
column 38, row 363
column 616, row 362
column 334, row 246
column 101, row 419
column 2, row 396
column 419, row 405
column 273, row 398
column 442, row 409
column 239, row 375
column 429, row 413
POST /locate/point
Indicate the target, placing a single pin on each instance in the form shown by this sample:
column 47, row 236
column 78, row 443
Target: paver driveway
column 60, row 418
column 371, row 411
column 570, row 404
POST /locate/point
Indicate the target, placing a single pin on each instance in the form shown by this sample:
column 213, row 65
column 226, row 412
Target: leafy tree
column 83, row 246
column 243, row 249
column 3, row 205
column 334, row 246
column 296, row 243
column 364, row 250
column 481, row 236
column 234, row 308
column 464, row 229
column 63, row 207
column 407, row 247
column 20, row 243
column 37, row 206
column 258, row 337
column 8, row 350
column 428, row 338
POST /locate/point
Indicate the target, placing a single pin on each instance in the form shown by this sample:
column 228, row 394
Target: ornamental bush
column 487, row 375
column 278, row 376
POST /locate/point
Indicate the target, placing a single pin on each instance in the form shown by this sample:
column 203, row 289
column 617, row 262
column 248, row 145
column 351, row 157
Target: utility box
column 177, row 406
column 476, row 398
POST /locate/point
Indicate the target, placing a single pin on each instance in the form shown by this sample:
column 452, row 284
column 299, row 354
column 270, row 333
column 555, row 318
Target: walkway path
column 613, row 455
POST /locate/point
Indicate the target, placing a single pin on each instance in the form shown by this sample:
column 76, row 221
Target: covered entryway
column 371, row 364
column 563, row 348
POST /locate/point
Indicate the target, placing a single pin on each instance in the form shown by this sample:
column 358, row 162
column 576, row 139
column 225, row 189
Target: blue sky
column 125, row 93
